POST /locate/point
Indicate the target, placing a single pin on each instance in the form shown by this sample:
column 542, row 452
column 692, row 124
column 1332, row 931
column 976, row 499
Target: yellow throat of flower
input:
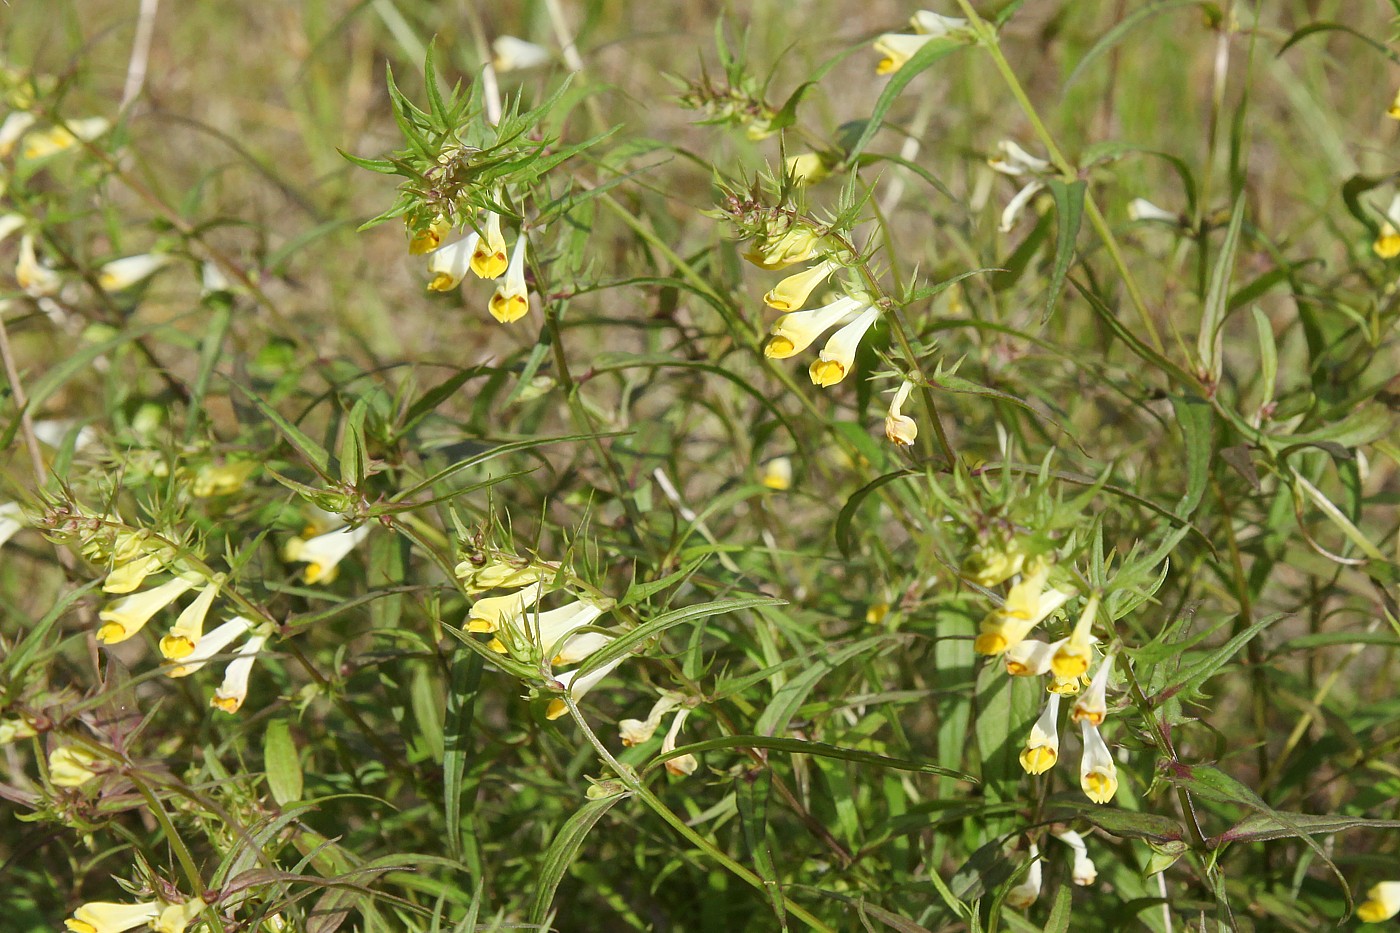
column 826, row 372
column 1038, row 760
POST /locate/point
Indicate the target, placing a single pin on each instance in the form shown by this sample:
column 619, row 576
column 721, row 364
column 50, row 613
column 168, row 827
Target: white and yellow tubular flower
column 1025, row 893
column 1072, row 658
column 11, row 521
column 1043, row 744
column 71, row 766
column 128, row 615
column 928, row 23
column 1018, row 203
column 176, row 917
column 899, row 427
column 1387, row 244
column 489, row 255
column 577, row 686
column 792, row 292
column 511, row 302
column 1093, row 705
column 108, row 917
column 234, row 690
column 637, row 731
column 797, row 330
column 1030, row 657
column 128, row 576
column 1015, row 161
column 1143, row 209
column 1027, row 605
column 1382, row 902
column 554, row 631
column 121, row 274
column 681, row 765
column 493, row 613
column 1083, row 873
column 428, row 238
column 322, row 553
column 896, row 48
column 777, row 474
column 185, row 634
column 34, row 278
column 210, row 645
column 9, row 225
column 450, row 263
column 62, row 138
column 511, row 54
column 1098, row 775
column 15, row 126
column 838, row 357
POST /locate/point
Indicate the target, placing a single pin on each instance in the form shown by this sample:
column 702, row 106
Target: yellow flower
column 899, row 427
column 795, row 331
column 34, row 277
column 106, row 917
column 71, row 766
column 210, row 645
column 1030, row 657
column 797, row 243
column 1382, row 902
column 792, row 292
column 839, row 355
column 1093, row 705
column 578, row 686
column 449, row 264
column 1043, row 744
column 511, row 302
column 777, row 474
column 806, row 169
column 221, row 479
column 13, row 730
column 175, row 917
column 1025, row 893
column 61, row 138
column 121, row 274
column 1393, row 111
column 511, row 54
column 489, row 255
column 1072, row 658
column 1387, row 244
column 682, row 765
column 990, row 564
column 637, row 731
column 896, row 48
column 498, row 574
column 1027, row 605
column 184, row 635
column 234, row 690
column 554, row 631
column 428, row 238
column 1098, row 775
column 322, row 553
column 128, row 615
column 494, row 612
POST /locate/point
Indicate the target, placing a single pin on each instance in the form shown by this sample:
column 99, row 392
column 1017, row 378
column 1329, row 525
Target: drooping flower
column 1027, row 604
column 128, row 615
column 1098, row 775
column 211, row 644
column 1017, row 205
column 1025, row 893
column 1387, row 244
column 184, row 635
column 234, row 690
column 176, row 917
column 511, row 301
column 511, row 54
column 108, row 917
column 450, row 263
column 121, row 274
column 1143, row 209
column 1382, row 901
column 1043, row 744
column 1083, row 873
column 322, row 553
column 838, row 357
column 426, row 239
column 797, row 243
column 796, row 331
column 896, row 48
column 1015, row 161
column 15, row 126
column 806, row 169
column 1072, row 658
column 928, row 23
column 577, row 686
column 899, row 427
column 555, row 631
column 11, row 521
column 777, row 474
column 1030, row 657
column 637, row 731
column 72, row 766
column 681, row 765
column 222, row 479
column 489, row 254
column 792, row 292
column 127, row 577
column 34, row 277
column 492, row 613
column 58, row 139
column 1093, row 705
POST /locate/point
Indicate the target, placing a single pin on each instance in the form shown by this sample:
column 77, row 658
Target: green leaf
column 1058, row 921
column 931, row 52
column 1194, row 416
column 1069, row 212
column 281, row 762
column 1195, row 676
column 1209, row 342
column 751, row 795
column 788, row 699
column 624, row 644
column 1116, row 34
column 457, row 740
column 562, row 851
column 848, row 511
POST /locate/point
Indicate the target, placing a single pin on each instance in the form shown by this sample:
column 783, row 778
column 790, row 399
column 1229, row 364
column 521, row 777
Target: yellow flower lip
column 1039, row 760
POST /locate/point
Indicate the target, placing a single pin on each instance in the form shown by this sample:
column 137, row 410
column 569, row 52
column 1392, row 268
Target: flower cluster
column 896, row 48
column 1005, row 633
column 637, row 731
column 482, row 253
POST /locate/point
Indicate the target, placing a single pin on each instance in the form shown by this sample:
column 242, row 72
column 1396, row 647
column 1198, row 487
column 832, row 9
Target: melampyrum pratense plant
column 831, row 468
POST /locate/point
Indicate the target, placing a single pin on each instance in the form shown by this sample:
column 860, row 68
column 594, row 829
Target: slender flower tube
column 210, row 645
column 1017, row 205
column 429, row 238
column 928, row 23
column 1072, row 658
column 322, row 553
column 682, row 765
column 1043, row 745
column 792, row 292
column 107, row 917
column 896, row 48
column 1098, row 775
column 489, row 255
column 1015, row 161
column 511, row 54
column 1031, row 657
column 494, row 612
column 637, row 731
column 1093, row 705
column 556, row 630
column 1084, row 873
column 577, row 686
column 838, row 357
column 899, row 427
column 1143, row 209
column 71, row 766
column 234, row 690
column 511, row 302
column 184, row 635
column 795, row 332
column 33, row 277
column 121, row 274
column 176, row 917
column 450, row 263
column 1024, row 894
column 1382, row 901
column 128, row 615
